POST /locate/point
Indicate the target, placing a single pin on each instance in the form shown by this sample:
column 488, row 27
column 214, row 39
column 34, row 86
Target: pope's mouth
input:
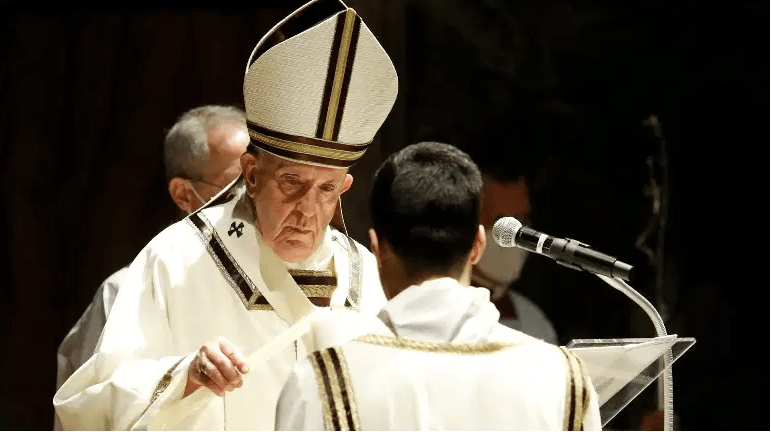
column 297, row 231
column 296, row 243
column 296, row 236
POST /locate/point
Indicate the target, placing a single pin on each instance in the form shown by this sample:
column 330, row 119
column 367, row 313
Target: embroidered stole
column 318, row 286
column 577, row 395
column 335, row 390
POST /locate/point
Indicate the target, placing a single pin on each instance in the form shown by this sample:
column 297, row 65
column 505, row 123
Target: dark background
column 553, row 91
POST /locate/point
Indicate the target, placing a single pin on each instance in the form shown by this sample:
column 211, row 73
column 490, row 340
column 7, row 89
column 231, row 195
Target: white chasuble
column 207, row 276
column 447, row 365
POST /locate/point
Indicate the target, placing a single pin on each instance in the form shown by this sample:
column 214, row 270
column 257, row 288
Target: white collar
column 441, row 310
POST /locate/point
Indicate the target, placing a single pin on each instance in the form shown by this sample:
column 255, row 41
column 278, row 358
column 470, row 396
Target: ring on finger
column 203, row 366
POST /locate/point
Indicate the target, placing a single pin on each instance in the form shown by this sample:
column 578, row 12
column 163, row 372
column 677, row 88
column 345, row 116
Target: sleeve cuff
column 168, row 392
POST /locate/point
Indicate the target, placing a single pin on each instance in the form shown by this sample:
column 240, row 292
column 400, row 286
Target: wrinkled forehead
column 279, row 166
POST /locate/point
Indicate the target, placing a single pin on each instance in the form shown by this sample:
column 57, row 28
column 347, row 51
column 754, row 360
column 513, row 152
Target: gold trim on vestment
column 322, row 384
column 335, row 390
column 351, row 407
column 584, row 391
column 206, row 238
column 163, row 384
column 576, row 393
column 308, row 290
column 317, row 290
column 334, row 381
column 435, row 347
column 319, row 273
column 569, row 410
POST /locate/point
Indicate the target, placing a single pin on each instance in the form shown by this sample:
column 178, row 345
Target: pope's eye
column 292, row 181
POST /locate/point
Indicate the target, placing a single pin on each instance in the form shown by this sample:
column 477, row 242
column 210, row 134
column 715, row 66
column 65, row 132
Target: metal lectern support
column 658, row 323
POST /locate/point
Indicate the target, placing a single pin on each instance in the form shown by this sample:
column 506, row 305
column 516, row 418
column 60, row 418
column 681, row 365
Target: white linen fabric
column 447, row 365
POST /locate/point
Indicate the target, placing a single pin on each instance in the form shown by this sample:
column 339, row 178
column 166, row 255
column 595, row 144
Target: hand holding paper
column 218, row 366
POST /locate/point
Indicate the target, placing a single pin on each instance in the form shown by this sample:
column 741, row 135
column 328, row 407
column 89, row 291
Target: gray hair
column 186, row 147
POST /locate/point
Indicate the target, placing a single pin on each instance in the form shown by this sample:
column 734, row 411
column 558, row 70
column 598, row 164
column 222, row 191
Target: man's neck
column 405, row 281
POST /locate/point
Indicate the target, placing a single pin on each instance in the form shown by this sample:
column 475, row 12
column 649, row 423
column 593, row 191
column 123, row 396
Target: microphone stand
column 658, row 324
column 658, row 192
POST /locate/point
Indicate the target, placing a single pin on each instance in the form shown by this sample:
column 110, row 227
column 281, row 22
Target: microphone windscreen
column 504, row 231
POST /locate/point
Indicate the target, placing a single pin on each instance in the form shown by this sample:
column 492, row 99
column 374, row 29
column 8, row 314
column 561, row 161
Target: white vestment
column 448, row 365
column 530, row 319
column 206, row 276
column 79, row 344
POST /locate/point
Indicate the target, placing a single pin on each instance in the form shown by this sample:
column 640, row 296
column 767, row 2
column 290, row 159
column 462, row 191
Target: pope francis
column 241, row 273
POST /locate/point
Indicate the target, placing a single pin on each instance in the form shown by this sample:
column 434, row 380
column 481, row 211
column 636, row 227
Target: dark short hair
column 425, row 202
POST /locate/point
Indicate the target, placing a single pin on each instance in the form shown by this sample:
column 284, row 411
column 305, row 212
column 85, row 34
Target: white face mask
column 499, row 266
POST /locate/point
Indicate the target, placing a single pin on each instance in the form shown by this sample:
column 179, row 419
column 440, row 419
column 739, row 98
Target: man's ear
column 347, row 182
column 480, row 242
column 249, row 169
column 375, row 247
column 180, row 194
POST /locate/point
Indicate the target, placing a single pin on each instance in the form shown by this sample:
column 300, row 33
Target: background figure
column 201, row 156
column 500, row 268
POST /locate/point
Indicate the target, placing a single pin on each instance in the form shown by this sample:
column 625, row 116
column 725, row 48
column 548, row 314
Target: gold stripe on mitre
column 341, row 69
column 305, row 149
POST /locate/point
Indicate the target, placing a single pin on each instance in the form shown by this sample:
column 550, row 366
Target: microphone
column 509, row 232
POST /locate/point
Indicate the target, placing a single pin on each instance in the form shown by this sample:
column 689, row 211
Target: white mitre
column 318, row 86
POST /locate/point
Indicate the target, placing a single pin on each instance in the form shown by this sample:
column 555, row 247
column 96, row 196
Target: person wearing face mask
column 201, row 156
column 239, row 275
column 500, row 268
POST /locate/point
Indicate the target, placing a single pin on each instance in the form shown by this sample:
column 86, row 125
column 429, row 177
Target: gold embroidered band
column 303, row 145
column 584, row 391
column 335, row 390
column 435, row 347
column 163, row 384
column 318, row 286
column 238, row 280
column 576, row 393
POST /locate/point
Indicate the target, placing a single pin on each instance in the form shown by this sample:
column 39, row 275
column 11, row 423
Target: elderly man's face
column 294, row 202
